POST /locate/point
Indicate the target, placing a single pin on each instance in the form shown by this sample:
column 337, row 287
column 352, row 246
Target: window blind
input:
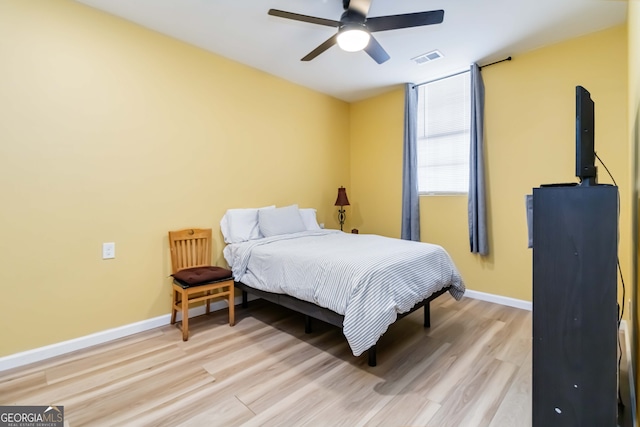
column 443, row 135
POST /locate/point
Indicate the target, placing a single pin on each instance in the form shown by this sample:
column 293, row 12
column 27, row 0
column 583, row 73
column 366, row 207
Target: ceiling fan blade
column 376, row 51
column 393, row 22
column 304, row 18
column 360, row 6
column 324, row 46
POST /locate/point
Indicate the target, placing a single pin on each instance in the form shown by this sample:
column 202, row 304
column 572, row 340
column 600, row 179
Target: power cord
column 606, row 168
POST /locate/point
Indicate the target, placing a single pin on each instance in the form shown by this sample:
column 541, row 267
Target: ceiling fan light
column 353, row 39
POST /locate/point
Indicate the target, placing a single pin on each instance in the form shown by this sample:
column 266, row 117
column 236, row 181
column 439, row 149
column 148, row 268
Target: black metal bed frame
column 324, row 314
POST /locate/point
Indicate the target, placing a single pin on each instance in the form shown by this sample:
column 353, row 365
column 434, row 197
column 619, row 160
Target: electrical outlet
column 108, row 250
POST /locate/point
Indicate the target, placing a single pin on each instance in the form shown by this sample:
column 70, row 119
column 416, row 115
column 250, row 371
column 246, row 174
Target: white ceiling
column 481, row 31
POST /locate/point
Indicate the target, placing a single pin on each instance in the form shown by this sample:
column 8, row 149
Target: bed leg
column 245, row 299
column 427, row 315
column 307, row 324
column 372, row 355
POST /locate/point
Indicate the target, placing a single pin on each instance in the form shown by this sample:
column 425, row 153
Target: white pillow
column 277, row 221
column 240, row 225
column 309, row 218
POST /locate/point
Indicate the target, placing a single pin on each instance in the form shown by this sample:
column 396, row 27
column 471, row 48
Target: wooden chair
column 194, row 278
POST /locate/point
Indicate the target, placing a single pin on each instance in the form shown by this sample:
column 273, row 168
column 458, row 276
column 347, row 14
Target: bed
column 360, row 282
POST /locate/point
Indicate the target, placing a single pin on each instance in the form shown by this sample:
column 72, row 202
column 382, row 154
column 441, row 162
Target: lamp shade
column 342, row 197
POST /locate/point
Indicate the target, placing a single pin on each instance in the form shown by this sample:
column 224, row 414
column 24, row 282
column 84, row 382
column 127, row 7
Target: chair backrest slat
column 190, row 248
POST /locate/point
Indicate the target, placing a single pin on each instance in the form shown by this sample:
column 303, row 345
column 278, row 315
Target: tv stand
column 588, row 181
column 575, row 314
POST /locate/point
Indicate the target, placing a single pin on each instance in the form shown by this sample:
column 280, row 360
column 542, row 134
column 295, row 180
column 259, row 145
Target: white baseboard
column 64, row 347
column 53, row 350
column 510, row 302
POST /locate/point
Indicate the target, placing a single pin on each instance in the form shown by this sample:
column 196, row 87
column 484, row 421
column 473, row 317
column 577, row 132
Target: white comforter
column 367, row 278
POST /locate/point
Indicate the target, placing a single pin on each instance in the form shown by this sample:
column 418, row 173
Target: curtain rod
column 460, row 72
column 508, row 58
column 441, row 78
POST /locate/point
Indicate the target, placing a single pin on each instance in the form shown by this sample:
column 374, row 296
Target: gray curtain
column 477, row 206
column 410, row 200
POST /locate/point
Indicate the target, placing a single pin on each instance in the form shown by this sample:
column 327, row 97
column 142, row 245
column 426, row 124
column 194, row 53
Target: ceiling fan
column 355, row 28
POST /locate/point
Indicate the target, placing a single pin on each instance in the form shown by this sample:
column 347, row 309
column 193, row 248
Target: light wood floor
column 471, row 368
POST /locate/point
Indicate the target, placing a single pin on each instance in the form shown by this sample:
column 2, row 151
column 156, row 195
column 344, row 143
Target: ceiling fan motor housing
column 352, row 18
column 353, row 35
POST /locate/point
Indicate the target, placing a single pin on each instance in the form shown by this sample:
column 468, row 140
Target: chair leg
column 185, row 316
column 232, row 305
column 173, row 307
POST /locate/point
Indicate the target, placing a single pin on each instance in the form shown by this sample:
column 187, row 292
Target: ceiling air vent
column 427, row 57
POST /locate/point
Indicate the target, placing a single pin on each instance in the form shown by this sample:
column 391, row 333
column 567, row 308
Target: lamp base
column 341, row 217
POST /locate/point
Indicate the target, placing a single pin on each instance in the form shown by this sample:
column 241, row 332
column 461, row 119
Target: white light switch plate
column 108, row 250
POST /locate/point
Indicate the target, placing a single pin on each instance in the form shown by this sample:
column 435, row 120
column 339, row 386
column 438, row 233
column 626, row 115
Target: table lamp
column 342, row 201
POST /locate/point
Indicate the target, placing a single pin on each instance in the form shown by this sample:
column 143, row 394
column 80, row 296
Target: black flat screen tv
column 585, row 148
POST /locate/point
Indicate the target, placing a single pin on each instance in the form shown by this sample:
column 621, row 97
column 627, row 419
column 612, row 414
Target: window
column 443, row 135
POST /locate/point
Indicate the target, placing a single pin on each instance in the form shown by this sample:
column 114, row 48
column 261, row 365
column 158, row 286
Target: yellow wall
column 376, row 164
column 633, row 25
column 529, row 140
column 111, row 132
